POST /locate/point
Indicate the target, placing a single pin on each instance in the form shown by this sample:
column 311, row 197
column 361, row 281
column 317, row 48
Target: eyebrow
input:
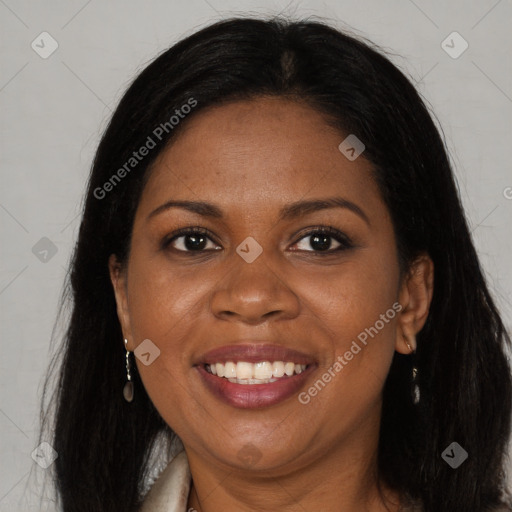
column 288, row 212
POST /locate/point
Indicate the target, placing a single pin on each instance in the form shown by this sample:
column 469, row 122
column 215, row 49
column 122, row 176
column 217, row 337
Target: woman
column 274, row 273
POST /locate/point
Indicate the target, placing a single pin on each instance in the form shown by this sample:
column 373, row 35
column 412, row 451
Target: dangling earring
column 415, row 389
column 128, row 387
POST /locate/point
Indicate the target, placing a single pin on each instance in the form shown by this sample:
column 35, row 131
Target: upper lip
column 254, row 353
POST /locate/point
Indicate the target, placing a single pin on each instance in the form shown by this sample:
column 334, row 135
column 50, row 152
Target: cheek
column 356, row 309
column 162, row 301
column 348, row 385
column 165, row 307
column 355, row 294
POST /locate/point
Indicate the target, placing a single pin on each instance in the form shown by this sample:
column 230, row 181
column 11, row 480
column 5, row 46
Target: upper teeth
column 262, row 371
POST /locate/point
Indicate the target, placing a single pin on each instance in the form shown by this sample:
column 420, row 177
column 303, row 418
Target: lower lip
column 253, row 396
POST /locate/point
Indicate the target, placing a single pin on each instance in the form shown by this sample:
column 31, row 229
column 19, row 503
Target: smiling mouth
column 254, row 375
column 263, row 372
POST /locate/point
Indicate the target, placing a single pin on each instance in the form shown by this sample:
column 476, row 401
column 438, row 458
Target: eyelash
column 342, row 239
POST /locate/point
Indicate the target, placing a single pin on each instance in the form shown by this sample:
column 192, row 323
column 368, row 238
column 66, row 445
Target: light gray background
column 54, row 110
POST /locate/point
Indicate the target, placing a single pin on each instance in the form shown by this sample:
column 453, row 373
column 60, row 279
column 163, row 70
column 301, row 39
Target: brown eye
column 324, row 239
column 191, row 240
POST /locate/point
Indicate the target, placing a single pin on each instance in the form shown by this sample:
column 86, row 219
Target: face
column 295, row 262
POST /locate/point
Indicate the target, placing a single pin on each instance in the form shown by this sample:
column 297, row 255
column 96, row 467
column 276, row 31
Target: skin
column 250, row 158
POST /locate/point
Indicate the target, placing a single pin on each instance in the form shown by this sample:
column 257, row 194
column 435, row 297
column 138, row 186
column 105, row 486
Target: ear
column 118, row 279
column 415, row 297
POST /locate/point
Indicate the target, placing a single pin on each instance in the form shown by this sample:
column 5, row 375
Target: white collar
column 170, row 491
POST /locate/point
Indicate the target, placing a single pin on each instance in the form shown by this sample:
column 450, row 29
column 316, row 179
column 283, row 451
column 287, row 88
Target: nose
column 253, row 293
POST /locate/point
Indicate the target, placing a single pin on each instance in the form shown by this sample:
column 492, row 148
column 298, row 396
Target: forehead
column 266, row 150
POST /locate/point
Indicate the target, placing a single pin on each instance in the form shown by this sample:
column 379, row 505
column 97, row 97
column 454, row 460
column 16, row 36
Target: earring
column 128, row 387
column 415, row 389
